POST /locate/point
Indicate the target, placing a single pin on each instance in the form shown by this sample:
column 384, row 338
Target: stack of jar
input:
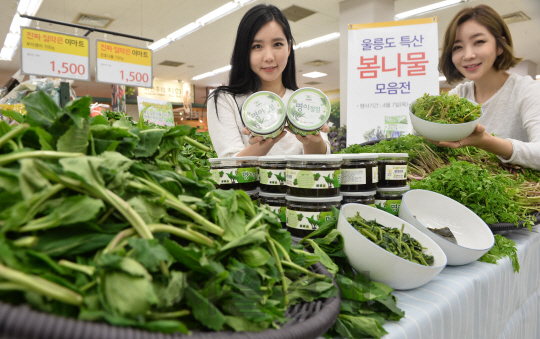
column 313, row 188
column 392, row 181
column 238, row 173
column 273, row 184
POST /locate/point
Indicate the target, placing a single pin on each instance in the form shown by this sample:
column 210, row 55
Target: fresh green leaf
column 148, row 252
column 204, row 311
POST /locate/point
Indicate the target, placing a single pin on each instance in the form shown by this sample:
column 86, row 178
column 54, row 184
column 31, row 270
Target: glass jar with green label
column 389, row 198
column 276, row 203
column 359, row 172
column 273, row 174
column 264, row 114
column 308, row 110
column 392, row 169
column 235, row 173
column 314, row 175
column 305, row 215
column 365, row 198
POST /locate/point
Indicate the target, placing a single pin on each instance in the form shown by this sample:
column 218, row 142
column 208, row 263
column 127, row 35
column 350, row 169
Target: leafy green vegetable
column 503, row 247
column 446, row 109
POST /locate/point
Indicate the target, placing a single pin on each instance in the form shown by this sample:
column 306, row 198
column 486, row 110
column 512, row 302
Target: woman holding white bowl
column 478, row 46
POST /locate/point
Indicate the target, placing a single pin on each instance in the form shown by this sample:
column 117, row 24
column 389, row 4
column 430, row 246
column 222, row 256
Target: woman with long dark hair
column 262, row 60
column 478, row 46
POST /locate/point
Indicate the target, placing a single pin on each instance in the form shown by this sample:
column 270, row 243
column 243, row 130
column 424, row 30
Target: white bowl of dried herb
column 463, row 235
column 387, row 248
column 444, row 117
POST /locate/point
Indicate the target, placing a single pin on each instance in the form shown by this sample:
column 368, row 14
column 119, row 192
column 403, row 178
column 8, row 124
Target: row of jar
column 303, row 215
column 312, row 175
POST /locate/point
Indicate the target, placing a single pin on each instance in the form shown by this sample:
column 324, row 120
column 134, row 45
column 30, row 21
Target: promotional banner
column 159, row 112
column 390, row 65
column 53, row 54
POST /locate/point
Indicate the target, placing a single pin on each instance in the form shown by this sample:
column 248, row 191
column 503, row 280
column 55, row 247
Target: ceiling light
column 244, row 2
column 429, row 8
column 538, row 77
column 318, row 40
column 314, row 74
column 218, row 13
column 214, row 72
column 7, row 53
column 17, row 22
column 28, row 7
column 442, row 78
column 160, row 44
column 12, row 40
column 182, row 32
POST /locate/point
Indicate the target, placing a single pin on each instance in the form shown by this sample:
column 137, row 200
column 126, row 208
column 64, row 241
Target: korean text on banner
column 159, row 112
column 53, row 54
column 123, row 65
column 390, row 64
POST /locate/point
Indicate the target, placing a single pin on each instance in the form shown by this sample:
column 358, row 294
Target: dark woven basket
column 308, row 321
column 497, row 227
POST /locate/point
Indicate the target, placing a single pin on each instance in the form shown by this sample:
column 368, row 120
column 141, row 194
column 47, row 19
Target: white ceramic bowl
column 381, row 265
column 442, row 132
column 424, row 209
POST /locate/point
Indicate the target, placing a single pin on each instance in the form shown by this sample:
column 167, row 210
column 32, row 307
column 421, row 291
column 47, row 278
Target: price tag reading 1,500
column 67, row 67
column 135, row 77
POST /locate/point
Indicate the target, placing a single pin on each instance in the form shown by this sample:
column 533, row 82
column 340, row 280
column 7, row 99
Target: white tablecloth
column 478, row 300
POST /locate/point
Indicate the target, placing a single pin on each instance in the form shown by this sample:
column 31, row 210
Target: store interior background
column 210, row 47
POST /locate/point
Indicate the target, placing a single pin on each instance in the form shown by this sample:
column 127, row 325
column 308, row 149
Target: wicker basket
column 308, row 321
column 497, row 227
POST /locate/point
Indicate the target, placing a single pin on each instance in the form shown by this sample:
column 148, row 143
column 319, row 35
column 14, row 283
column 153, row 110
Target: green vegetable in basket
column 107, row 221
column 446, row 109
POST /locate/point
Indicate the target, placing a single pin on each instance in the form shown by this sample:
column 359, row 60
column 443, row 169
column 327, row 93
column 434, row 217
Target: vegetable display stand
column 308, row 320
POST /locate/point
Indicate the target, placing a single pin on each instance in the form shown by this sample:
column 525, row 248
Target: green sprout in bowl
column 446, row 109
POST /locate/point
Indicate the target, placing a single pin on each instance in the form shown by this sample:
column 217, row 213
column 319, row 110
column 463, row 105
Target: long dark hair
column 242, row 80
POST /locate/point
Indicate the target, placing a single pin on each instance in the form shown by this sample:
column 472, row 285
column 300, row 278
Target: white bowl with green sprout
column 444, row 117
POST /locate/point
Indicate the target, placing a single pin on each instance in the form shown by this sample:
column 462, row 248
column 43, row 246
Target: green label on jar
column 313, row 179
column 279, row 211
column 396, row 172
column 306, row 220
column 246, row 174
column 273, row 177
column 390, row 206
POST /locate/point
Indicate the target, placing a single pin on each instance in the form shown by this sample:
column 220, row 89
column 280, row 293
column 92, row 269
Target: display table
column 478, row 300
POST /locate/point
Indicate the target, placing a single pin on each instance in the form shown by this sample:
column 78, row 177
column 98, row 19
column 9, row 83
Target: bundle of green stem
column 394, row 240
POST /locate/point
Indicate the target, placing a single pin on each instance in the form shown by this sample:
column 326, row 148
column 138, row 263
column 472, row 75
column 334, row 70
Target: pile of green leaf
column 365, row 305
column 103, row 220
column 446, row 109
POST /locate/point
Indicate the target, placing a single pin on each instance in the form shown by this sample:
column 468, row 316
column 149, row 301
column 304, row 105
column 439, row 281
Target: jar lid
column 315, row 157
column 255, row 191
column 393, row 155
column 272, row 195
column 358, row 194
column 263, row 112
column 393, row 189
column 272, row 158
column 308, row 109
column 322, row 199
column 212, row 160
column 360, row 156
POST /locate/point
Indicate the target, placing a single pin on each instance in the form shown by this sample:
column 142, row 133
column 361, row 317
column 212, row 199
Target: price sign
column 123, row 65
column 52, row 54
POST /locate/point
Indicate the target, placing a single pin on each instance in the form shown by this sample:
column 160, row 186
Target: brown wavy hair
column 494, row 23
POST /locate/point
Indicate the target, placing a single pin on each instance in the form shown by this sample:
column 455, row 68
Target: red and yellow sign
column 54, row 42
column 123, row 53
